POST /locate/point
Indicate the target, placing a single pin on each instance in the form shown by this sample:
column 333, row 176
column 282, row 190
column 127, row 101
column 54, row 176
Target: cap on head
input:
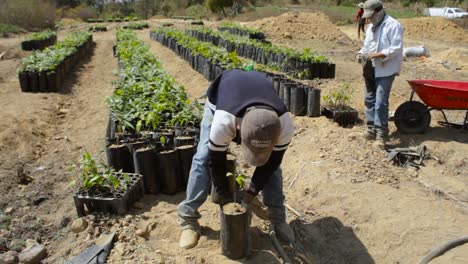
column 361, row 5
column 260, row 130
column 370, row 7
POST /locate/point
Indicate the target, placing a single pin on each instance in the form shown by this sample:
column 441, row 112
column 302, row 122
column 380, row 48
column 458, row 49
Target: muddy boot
column 188, row 238
column 285, row 233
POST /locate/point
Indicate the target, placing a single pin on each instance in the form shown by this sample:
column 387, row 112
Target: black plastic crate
column 345, row 116
column 117, row 202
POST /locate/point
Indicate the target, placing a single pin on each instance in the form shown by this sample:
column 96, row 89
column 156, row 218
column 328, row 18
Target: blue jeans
column 199, row 183
column 376, row 101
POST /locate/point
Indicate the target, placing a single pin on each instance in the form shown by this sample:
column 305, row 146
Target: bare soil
column 300, row 25
column 434, row 28
column 355, row 207
column 233, row 209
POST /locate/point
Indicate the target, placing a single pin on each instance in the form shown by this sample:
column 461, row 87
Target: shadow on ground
column 327, row 240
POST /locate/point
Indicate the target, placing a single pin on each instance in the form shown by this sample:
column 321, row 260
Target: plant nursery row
column 45, row 71
column 211, row 61
column 238, row 29
column 153, row 124
column 136, row 25
column 115, row 19
column 39, row 40
column 303, row 64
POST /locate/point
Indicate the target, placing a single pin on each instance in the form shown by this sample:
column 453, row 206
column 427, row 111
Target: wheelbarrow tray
column 439, row 94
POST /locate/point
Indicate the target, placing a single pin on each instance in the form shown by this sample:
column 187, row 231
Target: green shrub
column 28, row 14
column 217, row 6
column 197, row 11
column 6, row 29
column 339, row 97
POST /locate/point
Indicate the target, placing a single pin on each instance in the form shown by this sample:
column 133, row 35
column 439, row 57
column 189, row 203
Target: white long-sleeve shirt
column 387, row 39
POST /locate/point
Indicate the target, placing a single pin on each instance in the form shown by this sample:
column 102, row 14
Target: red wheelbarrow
column 414, row 117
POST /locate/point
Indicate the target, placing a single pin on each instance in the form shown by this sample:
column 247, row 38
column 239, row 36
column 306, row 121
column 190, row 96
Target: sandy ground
column 355, row 207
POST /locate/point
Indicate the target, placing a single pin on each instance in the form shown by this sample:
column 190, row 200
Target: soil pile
column 454, row 55
column 300, row 25
column 434, row 28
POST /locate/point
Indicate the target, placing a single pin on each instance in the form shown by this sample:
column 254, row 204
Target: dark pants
column 361, row 24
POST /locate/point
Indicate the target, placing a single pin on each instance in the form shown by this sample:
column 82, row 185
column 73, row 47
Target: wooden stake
column 293, row 210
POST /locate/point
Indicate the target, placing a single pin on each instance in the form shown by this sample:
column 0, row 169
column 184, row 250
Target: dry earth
column 355, row 207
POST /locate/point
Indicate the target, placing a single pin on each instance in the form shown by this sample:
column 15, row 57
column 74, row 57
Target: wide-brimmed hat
column 370, row 6
column 260, row 130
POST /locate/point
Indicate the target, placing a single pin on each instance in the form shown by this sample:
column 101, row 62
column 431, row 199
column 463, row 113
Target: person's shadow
column 328, row 241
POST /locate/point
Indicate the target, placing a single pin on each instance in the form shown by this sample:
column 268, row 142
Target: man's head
column 371, row 7
column 361, row 5
column 260, row 130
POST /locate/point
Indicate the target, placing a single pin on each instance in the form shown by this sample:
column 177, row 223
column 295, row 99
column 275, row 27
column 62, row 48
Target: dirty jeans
column 199, row 182
column 376, row 101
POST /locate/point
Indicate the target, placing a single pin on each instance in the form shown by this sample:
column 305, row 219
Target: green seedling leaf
column 138, row 126
column 240, row 180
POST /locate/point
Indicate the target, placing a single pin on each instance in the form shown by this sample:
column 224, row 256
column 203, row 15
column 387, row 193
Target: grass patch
column 340, row 15
column 6, row 29
column 402, row 13
column 5, row 221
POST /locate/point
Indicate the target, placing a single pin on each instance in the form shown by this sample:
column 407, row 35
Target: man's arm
column 223, row 130
column 395, row 37
column 262, row 174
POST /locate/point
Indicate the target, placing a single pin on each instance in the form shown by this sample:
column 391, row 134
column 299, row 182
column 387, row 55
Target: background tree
column 217, row 6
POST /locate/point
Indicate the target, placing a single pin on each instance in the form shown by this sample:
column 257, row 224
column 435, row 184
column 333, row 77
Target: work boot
column 284, row 232
column 368, row 135
column 188, row 238
column 379, row 143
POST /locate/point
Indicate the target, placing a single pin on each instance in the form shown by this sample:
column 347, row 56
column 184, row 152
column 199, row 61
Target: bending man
column 243, row 106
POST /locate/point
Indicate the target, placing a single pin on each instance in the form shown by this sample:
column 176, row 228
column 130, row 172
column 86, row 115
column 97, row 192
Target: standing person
column 381, row 55
column 360, row 20
column 240, row 105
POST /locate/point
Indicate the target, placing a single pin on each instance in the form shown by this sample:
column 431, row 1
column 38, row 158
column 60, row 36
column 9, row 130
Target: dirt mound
column 434, row 28
column 300, row 25
column 455, row 55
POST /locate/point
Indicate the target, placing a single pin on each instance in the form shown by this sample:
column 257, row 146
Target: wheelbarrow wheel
column 412, row 117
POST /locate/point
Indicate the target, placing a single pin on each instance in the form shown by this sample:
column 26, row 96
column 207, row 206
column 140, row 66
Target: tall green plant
column 339, row 97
